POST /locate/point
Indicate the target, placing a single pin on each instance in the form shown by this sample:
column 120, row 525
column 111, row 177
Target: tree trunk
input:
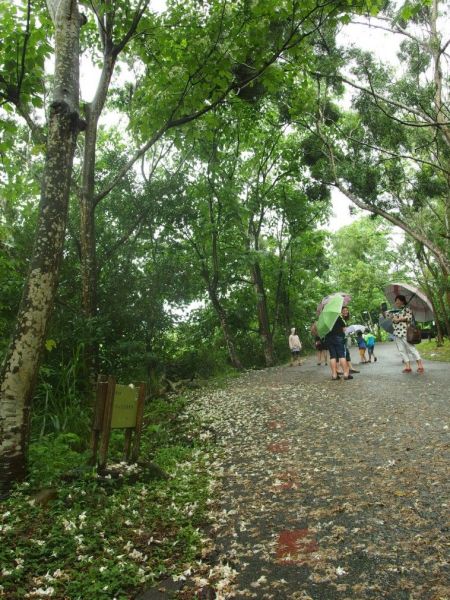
column 89, row 269
column 234, row 358
column 263, row 316
column 88, row 243
column 21, row 366
column 445, row 288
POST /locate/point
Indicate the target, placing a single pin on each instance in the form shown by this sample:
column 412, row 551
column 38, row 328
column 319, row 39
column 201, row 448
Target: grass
column 431, row 351
column 108, row 537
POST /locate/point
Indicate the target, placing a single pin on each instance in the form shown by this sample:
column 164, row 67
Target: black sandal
column 348, row 377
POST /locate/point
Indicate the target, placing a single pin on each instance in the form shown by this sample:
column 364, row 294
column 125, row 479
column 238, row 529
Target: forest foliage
column 206, row 149
column 202, row 183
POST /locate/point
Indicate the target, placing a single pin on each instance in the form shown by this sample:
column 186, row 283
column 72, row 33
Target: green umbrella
column 329, row 315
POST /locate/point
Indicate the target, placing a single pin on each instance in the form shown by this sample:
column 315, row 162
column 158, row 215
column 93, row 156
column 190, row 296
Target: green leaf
column 50, row 344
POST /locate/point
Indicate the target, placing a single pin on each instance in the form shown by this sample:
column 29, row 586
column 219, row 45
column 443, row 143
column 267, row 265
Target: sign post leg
column 139, row 420
column 106, row 429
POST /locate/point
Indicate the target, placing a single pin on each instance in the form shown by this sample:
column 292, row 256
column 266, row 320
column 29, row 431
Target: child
column 361, row 347
column 370, row 343
column 295, row 346
column 321, row 350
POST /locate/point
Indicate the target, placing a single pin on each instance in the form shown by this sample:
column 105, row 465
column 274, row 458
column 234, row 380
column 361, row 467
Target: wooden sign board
column 125, row 407
column 117, row 407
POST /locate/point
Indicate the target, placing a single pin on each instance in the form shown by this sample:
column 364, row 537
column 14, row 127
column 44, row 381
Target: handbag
column 413, row 333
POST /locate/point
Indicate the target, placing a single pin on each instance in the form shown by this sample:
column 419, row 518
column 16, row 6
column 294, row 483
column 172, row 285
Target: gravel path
column 334, row 489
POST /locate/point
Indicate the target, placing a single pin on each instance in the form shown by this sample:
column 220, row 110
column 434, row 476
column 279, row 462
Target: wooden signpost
column 117, row 407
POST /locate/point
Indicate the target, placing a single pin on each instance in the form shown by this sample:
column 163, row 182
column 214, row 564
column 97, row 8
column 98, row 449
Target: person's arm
column 406, row 315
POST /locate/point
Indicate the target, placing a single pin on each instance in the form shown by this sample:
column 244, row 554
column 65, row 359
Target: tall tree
column 20, row 368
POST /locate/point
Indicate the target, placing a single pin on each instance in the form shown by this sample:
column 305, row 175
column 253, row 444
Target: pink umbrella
column 415, row 299
column 324, row 301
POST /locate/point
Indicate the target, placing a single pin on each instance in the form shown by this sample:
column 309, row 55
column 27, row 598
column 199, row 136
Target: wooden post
column 139, row 420
column 99, row 409
column 127, row 446
column 106, row 426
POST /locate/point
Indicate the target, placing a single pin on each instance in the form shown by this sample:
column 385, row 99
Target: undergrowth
column 431, row 351
column 106, row 537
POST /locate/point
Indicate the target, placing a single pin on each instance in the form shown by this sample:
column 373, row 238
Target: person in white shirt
column 295, row 346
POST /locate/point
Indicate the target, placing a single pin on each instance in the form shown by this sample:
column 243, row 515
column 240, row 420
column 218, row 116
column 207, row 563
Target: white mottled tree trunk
column 20, row 368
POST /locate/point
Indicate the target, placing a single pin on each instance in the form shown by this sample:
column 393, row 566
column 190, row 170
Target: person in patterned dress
column 401, row 319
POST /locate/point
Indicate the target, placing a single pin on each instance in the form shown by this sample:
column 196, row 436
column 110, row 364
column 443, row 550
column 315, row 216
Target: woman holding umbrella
column 408, row 300
column 331, row 325
column 401, row 319
column 335, row 340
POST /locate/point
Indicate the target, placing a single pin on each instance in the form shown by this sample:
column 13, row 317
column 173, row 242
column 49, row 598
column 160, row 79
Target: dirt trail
column 335, row 489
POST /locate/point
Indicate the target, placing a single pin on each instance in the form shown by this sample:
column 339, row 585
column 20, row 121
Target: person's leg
column 413, row 353
column 341, row 353
column 333, row 364
column 319, row 357
column 333, row 358
column 403, row 349
column 345, row 368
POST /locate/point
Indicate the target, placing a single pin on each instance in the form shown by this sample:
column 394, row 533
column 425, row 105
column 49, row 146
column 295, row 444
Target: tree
column 399, row 134
column 20, row 368
column 363, row 261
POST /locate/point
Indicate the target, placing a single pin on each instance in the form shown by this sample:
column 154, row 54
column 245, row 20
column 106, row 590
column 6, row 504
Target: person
column 401, row 318
column 345, row 313
column 335, row 344
column 321, row 350
column 370, row 343
column 362, row 346
column 295, row 346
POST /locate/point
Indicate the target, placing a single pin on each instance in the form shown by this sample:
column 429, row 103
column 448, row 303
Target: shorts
column 295, row 352
column 336, row 348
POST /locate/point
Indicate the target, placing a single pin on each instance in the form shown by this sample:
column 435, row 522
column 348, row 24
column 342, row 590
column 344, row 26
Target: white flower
column 138, row 555
column 69, row 525
column 41, row 592
column 340, row 571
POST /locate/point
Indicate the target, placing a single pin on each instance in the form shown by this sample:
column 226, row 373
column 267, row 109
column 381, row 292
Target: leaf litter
column 325, row 493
